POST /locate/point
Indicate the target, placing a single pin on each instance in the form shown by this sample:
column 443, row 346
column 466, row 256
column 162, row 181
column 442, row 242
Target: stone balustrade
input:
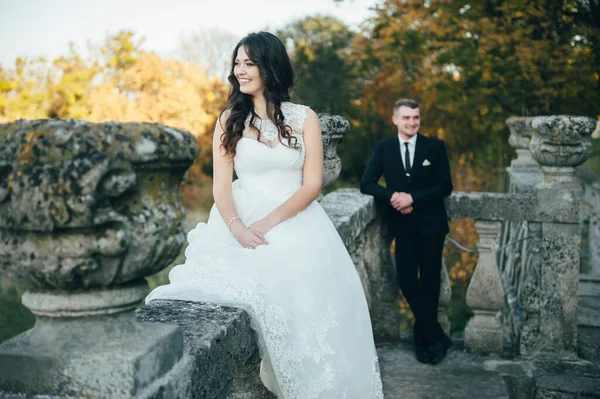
column 87, row 210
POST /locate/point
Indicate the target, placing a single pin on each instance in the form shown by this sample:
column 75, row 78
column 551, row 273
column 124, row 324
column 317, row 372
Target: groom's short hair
column 407, row 102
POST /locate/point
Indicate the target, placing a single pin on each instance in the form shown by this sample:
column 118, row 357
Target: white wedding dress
column 301, row 290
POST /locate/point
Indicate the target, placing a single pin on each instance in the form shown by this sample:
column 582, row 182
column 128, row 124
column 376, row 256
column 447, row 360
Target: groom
column 417, row 177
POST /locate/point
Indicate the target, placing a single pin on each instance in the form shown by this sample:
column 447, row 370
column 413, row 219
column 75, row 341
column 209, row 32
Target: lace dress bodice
column 274, row 170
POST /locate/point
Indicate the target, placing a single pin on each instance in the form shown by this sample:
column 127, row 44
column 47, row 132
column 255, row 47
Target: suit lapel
column 420, row 154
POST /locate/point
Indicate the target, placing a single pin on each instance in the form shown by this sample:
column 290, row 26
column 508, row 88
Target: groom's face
column 407, row 120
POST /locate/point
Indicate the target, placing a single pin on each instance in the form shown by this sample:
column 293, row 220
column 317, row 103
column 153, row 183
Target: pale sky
column 35, row 28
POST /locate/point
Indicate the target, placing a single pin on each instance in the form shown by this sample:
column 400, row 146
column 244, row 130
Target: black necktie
column 407, row 160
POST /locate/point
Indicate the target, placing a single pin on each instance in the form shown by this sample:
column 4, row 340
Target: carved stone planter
column 561, row 140
column 86, row 212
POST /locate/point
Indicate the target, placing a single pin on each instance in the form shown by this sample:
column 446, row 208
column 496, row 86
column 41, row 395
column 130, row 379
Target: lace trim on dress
column 274, row 326
column 273, row 321
column 293, row 114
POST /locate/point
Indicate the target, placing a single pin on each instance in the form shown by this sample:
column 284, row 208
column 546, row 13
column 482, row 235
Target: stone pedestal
column 519, row 139
column 485, row 296
column 559, row 143
column 86, row 212
column 524, row 172
column 99, row 356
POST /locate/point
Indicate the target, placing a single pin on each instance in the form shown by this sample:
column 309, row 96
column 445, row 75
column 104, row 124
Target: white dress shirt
column 412, row 142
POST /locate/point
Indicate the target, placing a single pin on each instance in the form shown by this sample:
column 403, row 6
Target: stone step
column 589, row 285
column 588, row 343
column 463, row 375
column 460, row 375
column 588, row 318
column 588, row 313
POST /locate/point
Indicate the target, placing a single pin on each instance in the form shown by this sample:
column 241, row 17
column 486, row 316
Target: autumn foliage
column 471, row 65
column 121, row 83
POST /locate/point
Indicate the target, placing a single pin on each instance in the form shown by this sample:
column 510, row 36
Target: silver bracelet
column 233, row 219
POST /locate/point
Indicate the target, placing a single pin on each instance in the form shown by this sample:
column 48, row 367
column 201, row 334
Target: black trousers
column 418, row 268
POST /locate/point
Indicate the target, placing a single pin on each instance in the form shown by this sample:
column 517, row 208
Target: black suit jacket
column 428, row 185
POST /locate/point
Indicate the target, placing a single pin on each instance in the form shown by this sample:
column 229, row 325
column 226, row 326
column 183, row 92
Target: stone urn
column 86, row 212
column 333, row 128
column 560, row 143
column 520, row 136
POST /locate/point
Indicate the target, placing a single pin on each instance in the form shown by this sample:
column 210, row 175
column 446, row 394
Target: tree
column 211, row 48
column 473, row 64
column 121, row 83
column 319, row 48
column 69, row 87
column 24, row 90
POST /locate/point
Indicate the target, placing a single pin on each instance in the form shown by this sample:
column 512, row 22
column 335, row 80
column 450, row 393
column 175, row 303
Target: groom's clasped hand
column 402, row 202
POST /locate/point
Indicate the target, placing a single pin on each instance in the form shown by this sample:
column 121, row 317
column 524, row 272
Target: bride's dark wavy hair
column 268, row 53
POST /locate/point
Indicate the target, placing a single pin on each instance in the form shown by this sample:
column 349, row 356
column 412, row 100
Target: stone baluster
column 521, row 177
column 485, row 296
column 86, row 212
column 559, row 143
column 444, row 300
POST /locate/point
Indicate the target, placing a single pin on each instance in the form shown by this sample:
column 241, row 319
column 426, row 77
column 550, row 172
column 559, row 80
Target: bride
column 268, row 246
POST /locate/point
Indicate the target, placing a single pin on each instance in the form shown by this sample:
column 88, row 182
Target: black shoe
column 422, row 354
column 437, row 352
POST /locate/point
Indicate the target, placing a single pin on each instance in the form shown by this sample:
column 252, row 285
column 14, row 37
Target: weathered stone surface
column 86, row 211
column 589, row 301
column 444, row 299
column 588, row 343
column 523, row 180
column 560, row 280
column 552, row 324
column 60, row 173
column 217, row 342
column 496, row 206
column 99, row 357
column 246, row 383
column 333, row 128
column 462, row 375
column 485, row 295
column 92, row 302
column 590, row 223
column 561, row 140
column 459, row 376
column 79, row 200
column 491, row 206
column 570, row 378
column 485, row 289
column 350, row 212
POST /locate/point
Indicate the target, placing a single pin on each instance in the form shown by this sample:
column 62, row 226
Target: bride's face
column 247, row 74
